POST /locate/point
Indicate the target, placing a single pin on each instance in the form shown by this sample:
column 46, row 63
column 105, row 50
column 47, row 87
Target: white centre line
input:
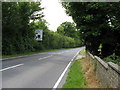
column 45, row 57
column 11, row 67
column 63, row 73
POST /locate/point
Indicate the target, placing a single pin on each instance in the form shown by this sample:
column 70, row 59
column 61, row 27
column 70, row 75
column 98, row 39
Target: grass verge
column 30, row 53
column 82, row 74
column 75, row 77
column 89, row 72
column 82, row 52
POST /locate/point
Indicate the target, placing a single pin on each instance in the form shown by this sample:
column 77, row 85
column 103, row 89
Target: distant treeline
column 19, row 21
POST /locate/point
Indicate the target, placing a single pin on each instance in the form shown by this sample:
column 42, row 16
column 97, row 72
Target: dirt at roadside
column 88, row 69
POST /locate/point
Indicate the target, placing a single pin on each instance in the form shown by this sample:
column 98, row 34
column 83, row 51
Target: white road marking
column 60, row 52
column 57, row 52
column 11, row 67
column 61, row 76
column 45, row 57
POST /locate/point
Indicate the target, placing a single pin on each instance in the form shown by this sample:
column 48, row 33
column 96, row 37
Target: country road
column 43, row 70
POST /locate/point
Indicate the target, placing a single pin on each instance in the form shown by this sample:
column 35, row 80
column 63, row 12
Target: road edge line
column 63, row 73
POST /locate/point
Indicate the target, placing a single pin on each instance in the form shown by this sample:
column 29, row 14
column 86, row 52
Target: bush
column 18, row 33
column 112, row 58
column 54, row 40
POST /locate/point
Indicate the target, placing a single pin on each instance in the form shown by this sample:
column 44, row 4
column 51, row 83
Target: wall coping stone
column 91, row 55
column 114, row 66
column 101, row 62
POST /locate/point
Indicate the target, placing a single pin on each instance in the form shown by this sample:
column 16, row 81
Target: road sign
column 39, row 34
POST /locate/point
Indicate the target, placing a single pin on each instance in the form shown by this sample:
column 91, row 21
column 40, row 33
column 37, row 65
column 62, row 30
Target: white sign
column 39, row 34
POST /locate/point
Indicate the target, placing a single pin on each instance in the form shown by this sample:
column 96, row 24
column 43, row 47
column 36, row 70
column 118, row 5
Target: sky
column 54, row 13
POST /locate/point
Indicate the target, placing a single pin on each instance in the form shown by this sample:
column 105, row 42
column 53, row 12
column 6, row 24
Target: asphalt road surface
column 43, row 70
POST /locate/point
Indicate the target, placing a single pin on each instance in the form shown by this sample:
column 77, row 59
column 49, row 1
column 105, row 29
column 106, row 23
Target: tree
column 97, row 25
column 17, row 34
column 20, row 20
column 68, row 29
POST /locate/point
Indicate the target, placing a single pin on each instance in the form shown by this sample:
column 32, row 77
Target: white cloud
column 54, row 13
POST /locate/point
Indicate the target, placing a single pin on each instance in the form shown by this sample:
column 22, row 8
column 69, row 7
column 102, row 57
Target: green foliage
column 17, row 34
column 68, row 29
column 112, row 58
column 19, row 22
column 55, row 40
column 98, row 23
column 75, row 78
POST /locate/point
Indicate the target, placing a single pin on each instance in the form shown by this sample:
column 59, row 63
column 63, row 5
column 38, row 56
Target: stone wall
column 107, row 73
